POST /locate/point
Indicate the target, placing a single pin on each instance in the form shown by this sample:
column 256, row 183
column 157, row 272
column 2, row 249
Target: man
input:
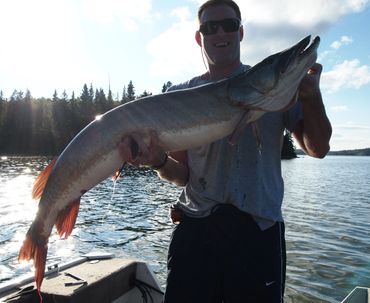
column 229, row 245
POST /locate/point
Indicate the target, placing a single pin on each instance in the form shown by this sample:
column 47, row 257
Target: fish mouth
column 305, row 51
column 300, row 51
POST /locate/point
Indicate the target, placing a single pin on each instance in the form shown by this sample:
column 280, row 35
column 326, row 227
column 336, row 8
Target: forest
column 44, row 126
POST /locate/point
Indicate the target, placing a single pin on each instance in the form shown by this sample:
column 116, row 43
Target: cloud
column 339, row 108
column 175, row 51
column 344, row 40
column 266, row 31
column 350, row 136
column 182, row 14
column 332, row 53
column 348, row 74
column 42, row 45
column 125, row 12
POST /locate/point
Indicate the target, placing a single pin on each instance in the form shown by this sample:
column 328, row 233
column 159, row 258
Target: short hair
column 210, row 3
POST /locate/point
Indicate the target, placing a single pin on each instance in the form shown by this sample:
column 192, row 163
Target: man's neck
column 218, row 73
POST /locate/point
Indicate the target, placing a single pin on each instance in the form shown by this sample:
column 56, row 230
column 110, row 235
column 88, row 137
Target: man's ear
column 198, row 38
column 241, row 33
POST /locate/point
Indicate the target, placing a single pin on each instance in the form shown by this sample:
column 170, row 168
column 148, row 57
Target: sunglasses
column 229, row 25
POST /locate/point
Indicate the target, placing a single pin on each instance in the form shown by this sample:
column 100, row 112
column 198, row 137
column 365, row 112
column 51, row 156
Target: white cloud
column 344, row 40
column 339, row 108
column 350, row 136
column 268, row 31
column 175, row 51
column 41, row 46
column 348, row 74
column 182, row 13
column 126, row 12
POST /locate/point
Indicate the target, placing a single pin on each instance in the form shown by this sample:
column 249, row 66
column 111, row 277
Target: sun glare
column 98, row 117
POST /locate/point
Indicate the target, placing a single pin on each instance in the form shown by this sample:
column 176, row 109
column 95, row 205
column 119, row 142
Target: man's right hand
column 136, row 152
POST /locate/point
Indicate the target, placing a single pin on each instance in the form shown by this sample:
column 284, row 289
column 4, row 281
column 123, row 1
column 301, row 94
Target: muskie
column 182, row 119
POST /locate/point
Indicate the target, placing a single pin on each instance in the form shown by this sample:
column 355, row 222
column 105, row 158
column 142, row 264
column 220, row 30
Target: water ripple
column 326, row 210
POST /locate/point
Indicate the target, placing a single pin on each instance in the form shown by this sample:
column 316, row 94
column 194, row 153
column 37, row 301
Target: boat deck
column 111, row 280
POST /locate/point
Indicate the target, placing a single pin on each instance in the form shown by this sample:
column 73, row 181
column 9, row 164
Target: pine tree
column 124, row 96
column 28, row 96
column 64, row 96
column 145, row 94
column 73, row 98
column 85, row 97
column 130, row 91
column 55, row 96
column 91, row 93
column 166, row 86
column 288, row 149
column 110, row 98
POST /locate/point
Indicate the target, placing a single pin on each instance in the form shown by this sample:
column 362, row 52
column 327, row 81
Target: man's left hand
column 309, row 88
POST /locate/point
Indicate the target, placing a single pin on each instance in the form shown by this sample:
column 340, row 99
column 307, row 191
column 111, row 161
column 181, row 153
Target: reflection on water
column 326, row 210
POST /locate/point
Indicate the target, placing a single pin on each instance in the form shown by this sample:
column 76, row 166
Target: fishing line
column 204, row 62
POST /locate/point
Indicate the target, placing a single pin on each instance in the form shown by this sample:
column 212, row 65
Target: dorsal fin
column 40, row 182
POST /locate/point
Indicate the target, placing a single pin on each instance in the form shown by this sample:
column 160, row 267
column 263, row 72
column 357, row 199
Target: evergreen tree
column 28, row 96
column 145, row 94
column 166, row 86
column 85, row 96
column 110, row 98
column 2, row 107
column 288, row 150
column 130, row 91
column 73, row 98
column 101, row 102
column 55, row 96
column 16, row 96
column 64, row 97
column 124, row 96
column 91, row 93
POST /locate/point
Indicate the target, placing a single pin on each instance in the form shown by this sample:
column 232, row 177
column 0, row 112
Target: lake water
column 326, row 209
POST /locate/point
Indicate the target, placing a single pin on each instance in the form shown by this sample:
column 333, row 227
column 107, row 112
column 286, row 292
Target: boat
column 358, row 295
column 102, row 278
column 90, row 278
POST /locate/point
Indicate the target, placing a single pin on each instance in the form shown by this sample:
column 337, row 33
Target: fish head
column 272, row 83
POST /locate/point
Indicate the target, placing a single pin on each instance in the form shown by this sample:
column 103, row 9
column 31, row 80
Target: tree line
column 44, row 126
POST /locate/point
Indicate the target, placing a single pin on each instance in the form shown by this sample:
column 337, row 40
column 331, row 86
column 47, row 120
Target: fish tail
column 36, row 251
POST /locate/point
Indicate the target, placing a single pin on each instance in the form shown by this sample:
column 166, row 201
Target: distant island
column 352, row 152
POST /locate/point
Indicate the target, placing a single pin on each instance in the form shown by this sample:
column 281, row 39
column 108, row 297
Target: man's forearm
column 316, row 129
column 174, row 171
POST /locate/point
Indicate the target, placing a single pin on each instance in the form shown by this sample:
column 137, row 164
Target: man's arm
column 176, row 169
column 314, row 131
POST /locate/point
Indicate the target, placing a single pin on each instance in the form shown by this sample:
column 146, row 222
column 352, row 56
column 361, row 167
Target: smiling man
column 228, row 245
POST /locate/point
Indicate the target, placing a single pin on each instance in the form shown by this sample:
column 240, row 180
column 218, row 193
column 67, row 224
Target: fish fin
column 41, row 180
column 30, row 250
column 118, row 173
column 67, row 219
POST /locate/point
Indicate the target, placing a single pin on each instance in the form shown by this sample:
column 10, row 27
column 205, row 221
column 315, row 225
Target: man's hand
column 136, row 152
column 309, row 88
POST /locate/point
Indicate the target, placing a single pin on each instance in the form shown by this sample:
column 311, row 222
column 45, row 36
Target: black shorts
column 225, row 257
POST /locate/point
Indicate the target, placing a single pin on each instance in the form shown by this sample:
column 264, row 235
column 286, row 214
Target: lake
column 326, row 209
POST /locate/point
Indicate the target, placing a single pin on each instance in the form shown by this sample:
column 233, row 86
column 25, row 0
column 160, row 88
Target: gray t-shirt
column 243, row 174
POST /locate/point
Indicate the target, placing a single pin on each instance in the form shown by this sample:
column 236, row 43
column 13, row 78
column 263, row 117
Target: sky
column 48, row 45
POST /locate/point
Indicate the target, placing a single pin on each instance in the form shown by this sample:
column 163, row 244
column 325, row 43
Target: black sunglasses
column 229, row 25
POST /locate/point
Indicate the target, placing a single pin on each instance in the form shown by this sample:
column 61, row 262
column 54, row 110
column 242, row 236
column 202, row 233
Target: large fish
column 182, row 119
